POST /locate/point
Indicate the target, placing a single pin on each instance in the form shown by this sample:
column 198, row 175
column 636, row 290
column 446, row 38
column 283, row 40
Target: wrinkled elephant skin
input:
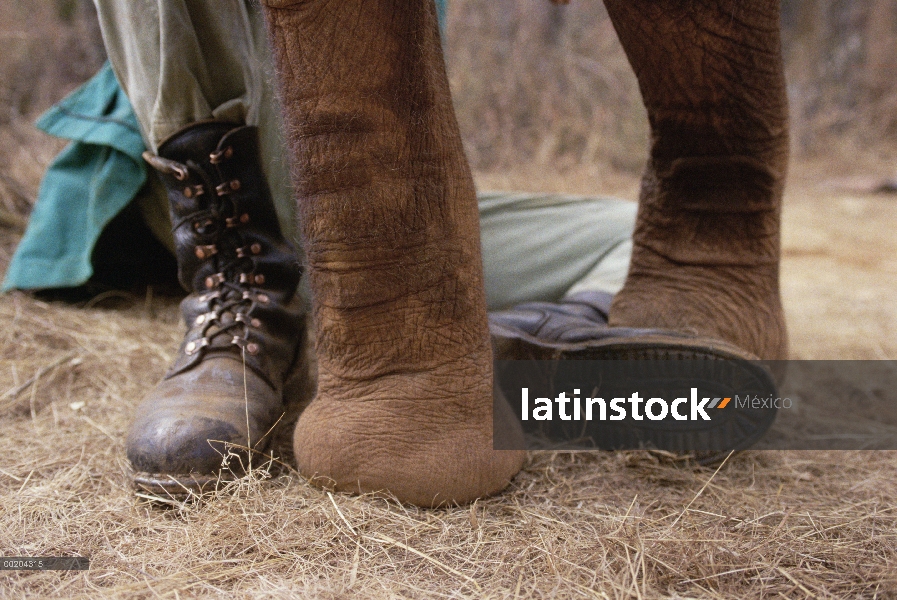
column 706, row 244
column 390, row 227
column 391, row 231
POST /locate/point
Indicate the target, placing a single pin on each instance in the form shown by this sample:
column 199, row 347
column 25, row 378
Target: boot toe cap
column 190, row 422
column 170, row 443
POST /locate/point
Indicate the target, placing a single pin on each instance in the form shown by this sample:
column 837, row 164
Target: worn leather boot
column 576, row 328
column 245, row 324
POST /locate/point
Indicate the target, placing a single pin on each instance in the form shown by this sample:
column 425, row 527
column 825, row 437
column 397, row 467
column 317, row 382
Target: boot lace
column 232, row 293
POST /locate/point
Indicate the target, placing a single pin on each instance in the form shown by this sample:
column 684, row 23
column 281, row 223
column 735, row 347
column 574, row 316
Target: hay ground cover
column 595, row 525
column 571, row 525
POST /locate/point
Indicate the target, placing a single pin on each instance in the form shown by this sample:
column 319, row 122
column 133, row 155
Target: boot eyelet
column 217, row 157
column 251, row 279
column 227, row 187
column 204, row 252
column 247, row 250
column 193, row 347
column 250, row 347
column 235, row 221
column 200, row 226
column 213, row 281
column 255, row 323
column 263, row 298
column 194, row 190
column 205, row 318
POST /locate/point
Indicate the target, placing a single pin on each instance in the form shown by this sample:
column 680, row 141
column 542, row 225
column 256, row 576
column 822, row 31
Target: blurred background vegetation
column 536, row 85
column 550, row 84
column 47, row 49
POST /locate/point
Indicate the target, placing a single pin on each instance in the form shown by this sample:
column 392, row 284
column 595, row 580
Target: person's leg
column 542, row 247
column 195, row 74
column 180, row 61
column 553, row 264
column 185, row 61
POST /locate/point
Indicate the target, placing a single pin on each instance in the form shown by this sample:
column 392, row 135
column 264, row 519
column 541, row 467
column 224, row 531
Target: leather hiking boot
column 575, row 328
column 245, row 325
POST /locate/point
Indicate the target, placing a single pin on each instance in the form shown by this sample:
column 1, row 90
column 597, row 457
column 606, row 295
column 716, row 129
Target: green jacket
column 90, row 181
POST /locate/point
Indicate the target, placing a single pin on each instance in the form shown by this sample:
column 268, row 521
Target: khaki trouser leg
column 182, row 61
column 546, row 246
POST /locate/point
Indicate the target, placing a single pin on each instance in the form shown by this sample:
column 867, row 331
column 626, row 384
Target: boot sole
column 178, row 487
column 647, row 354
column 186, row 486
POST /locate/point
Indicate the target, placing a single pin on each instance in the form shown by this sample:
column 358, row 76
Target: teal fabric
column 441, row 14
column 90, row 181
column 87, row 185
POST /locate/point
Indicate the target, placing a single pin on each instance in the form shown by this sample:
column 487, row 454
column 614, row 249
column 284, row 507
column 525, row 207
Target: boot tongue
column 199, row 139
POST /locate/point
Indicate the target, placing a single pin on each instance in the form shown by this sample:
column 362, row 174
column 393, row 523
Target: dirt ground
column 593, row 525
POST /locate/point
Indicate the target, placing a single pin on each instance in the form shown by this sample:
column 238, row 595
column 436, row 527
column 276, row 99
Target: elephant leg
column 390, row 225
column 706, row 242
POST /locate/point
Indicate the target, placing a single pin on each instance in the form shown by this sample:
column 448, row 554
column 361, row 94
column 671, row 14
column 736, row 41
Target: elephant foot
column 706, row 241
column 705, row 257
column 423, row 437
column 739, row 305
column 391, row 232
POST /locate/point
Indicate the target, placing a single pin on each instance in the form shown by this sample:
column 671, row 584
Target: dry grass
column 606, row 525
column 615, row 525
column 572, row 525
